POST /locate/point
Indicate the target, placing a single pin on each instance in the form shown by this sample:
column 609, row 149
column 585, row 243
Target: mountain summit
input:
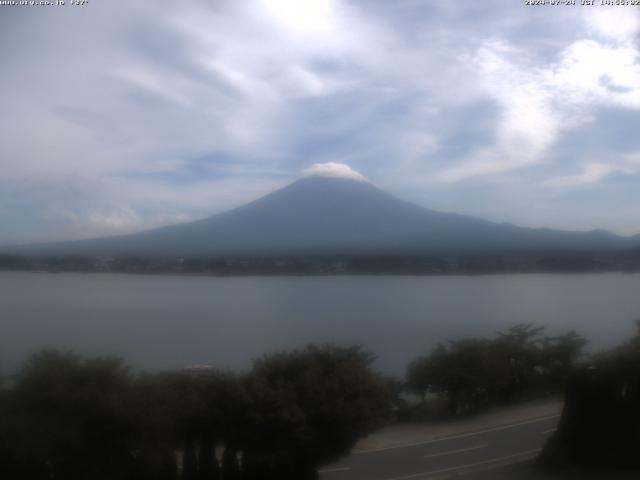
column 333, row 210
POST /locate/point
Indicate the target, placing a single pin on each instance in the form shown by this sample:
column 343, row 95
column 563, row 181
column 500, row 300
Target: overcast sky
column 121, row 115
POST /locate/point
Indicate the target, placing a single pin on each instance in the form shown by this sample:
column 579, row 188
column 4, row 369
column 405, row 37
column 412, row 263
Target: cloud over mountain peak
column 333, row 170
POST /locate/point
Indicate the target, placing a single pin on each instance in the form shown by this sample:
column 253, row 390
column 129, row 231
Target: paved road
column 470, row 455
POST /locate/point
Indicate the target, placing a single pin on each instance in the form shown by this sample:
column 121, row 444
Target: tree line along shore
column 409, row 264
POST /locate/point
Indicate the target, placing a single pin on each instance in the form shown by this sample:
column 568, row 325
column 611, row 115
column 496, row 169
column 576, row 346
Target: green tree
column 559, row 356
column 208, row 468
column 190, row 412
column 463, row 371
column 600, row 423
column 309, row 408
column 68, row 418
column 230, row 465
column 520, row 355
column 473, row 373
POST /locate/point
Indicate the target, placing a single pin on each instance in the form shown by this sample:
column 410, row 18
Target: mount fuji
column 327, row 215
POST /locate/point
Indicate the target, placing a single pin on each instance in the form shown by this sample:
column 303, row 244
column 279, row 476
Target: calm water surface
column 160, row 322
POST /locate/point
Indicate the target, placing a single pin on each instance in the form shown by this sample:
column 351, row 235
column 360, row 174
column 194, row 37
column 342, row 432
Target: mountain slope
column 318, row 215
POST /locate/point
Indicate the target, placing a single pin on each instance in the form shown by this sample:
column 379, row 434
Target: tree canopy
column 317, row 403
column 74, row 418
column 473, row 373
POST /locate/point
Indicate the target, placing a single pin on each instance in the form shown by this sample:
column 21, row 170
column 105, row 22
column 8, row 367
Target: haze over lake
column 159, row 322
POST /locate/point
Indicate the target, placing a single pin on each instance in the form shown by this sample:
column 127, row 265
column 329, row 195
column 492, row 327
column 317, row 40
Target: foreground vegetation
column 472, row 374
column 65, row 417
column 600, row 424
column 73, row 418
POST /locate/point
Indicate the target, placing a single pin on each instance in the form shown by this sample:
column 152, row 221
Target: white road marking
column 332, row 470
column 463, row 467
column 453, row 452
column 544, row 432
column 454, row 437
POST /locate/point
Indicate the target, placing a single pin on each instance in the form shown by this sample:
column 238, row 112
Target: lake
column 158, row 322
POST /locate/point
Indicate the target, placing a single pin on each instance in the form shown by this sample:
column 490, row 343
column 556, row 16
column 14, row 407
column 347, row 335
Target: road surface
column 472, row 454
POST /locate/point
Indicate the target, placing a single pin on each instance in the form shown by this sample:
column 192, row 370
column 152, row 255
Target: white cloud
column 632, row 160
column 333, row 170
column 595, row 172
column 311, row 18
column 527, row 125
column 541, row 103
column 591, row 173
column 163, row 87
column 613, row 23
column 111, row 220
